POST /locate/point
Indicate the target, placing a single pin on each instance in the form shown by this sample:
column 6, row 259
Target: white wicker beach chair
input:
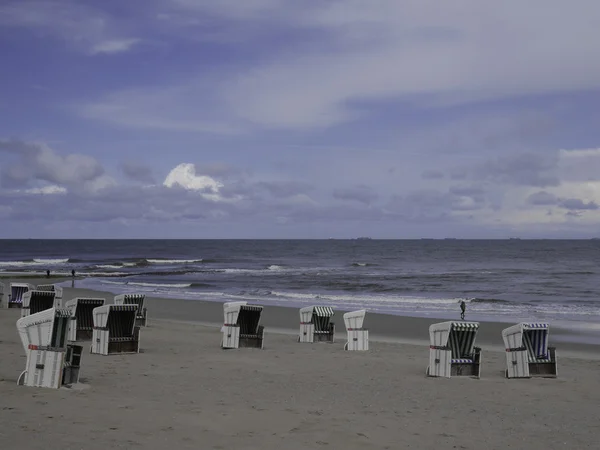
column 452, row 350
column 527, row 351
column 135, row 299
column 51, row 362
column 82, row 319
column 115, row 330
column 58, row 293
column 316, row 324
column 358, row 337
column 37, row 301
column 241, row 326
column 15, row 299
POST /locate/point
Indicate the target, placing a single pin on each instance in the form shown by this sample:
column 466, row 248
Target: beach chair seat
column 527, row 351
column 135, row 299
column 58, row 293
column 241, row 327
column 452, row 350
column 358, row 337
column 115, row 330
column 36, row 301
column 316, row 324
column 17, row 290
column 51, row 361
column 82, row 319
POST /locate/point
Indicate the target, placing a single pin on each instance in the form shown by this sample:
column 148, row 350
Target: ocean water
column 502, row 280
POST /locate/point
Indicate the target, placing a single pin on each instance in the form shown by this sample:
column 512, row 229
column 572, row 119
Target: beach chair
column 241, row 326
column 527, row 351
column 135, row 299
column 37, row 301
column 58, row 293
column 15, row 299
column 358, row 337
column 452, row 350
column 82, row 320
column 51, row 361
column 316, row 325
column 115, row 330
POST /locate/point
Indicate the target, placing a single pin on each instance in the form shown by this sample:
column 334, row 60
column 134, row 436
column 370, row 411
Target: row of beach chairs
column 53, row 357
column 50, row 337
column 452, row 344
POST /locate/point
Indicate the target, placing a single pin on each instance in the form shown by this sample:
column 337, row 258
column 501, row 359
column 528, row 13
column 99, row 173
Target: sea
column 500, row 280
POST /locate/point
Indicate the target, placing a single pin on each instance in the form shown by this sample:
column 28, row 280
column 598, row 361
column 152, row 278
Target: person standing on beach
column 73, row 273
column 463, row 307
column 47, row 273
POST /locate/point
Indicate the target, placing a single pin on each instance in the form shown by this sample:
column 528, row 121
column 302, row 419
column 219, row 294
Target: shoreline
column 387, row 328
column 390, row 328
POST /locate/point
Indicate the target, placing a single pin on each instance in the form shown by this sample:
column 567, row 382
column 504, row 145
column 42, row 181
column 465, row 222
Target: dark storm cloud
column 526, row 169
column 361, row 194
column 38, row 162
column 576, row 204
column 542, row 198
column 138, row 172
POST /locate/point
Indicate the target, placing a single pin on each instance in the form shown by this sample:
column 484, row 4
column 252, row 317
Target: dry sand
column 184, row 392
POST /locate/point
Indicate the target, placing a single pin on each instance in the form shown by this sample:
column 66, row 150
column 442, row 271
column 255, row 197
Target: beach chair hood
column 44, row 329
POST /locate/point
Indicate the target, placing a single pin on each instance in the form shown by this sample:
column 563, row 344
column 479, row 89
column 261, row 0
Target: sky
column 299, row 119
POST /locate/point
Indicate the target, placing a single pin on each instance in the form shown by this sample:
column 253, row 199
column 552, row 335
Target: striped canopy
column 462, row 339
column 323, row 311
column 536, row 343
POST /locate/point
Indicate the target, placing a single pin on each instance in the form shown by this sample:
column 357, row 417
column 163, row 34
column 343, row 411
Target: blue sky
column 299, row 119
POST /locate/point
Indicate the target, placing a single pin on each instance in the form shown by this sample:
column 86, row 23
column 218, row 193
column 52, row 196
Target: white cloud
column 47, row 190
column 184, row 176
column 82, row 27
column 114, row 46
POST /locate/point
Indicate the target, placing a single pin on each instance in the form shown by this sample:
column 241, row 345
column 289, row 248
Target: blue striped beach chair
column 37, row 301
column 452, row 350
column 527, row 351
column 51, row 361
column 316, row 324
column 15, row 300
column 135, row 299
column 241, row 327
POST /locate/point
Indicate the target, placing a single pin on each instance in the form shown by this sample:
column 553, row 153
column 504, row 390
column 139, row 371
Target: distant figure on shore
column 47, row 273
column 73, row 273
column 463, row 307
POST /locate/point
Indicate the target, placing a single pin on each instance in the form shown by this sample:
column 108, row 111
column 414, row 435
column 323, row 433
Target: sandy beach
column 182, row 391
